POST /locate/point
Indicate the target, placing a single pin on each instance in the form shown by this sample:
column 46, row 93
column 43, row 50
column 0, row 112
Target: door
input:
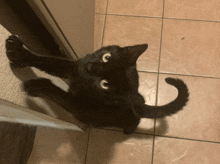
column 71, row 22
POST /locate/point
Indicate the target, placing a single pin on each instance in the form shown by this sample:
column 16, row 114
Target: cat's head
column 109, row 75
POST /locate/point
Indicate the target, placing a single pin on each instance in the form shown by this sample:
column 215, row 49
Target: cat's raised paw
column 13, row 43
column 14, row 50
column 36, row 86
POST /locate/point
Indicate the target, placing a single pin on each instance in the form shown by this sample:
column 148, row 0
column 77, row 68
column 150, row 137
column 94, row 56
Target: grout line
column 188, row 139
column 193, row 20
column 160, row 17
column 147, row 72
column 189, row 75
column 134, row 16
column 87, row 147
column 155, row 135
column 100, row 14
column 164, row 73
column 158, row 76
column 103, row 33
column 153, row 143
column 161, row 40
column 157, row 87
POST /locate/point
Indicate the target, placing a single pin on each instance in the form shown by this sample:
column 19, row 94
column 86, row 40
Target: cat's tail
column 174, row 106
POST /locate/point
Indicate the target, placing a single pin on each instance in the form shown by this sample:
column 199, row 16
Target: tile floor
column 183, row 38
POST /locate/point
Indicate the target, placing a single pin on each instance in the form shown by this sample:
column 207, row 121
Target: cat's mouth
column 93, row 68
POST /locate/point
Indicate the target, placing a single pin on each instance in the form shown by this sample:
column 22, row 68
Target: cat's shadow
column 25, row 74
column 22, row 73
column 112, row 139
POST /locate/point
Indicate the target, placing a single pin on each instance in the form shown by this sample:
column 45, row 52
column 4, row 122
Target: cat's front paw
column 15, row 50
column 35, row 87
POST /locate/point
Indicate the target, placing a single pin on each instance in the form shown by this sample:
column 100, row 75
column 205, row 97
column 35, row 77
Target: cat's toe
column 36, row 86
column 13, row 43
column 14, row 50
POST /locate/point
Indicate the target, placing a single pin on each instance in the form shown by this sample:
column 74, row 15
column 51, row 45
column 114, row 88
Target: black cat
column 104, row 85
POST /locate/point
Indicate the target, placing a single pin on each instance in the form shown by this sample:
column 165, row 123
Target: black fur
column 94, row 101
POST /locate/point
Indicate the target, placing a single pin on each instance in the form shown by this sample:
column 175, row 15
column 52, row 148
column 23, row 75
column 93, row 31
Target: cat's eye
column 104, row 84
column 106, row 57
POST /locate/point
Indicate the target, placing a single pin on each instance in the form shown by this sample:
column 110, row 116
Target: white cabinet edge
column 18, row 114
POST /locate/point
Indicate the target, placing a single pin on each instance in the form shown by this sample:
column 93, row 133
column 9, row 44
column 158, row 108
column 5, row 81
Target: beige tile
column 100, row 6
column 147, row 88
column 151, row 8
column 99, row 26
column 58, row 146
column 177, row 151
column 111, row 147
column 191, row 48
column 125, row 31
column 199, row 119
column 196, row 9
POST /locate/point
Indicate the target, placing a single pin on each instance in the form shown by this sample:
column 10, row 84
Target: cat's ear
column 133, row 52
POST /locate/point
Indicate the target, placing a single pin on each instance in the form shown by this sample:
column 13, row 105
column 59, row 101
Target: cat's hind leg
column 21, row 56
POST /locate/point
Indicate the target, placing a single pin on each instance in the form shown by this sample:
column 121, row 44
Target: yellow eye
column 106, row 57
column 104, row 84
